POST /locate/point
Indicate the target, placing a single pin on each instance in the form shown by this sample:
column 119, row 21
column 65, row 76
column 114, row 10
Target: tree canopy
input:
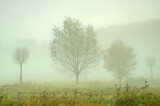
column 74, row 47
column 120, row 59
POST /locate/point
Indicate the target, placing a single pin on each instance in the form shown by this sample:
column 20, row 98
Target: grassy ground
column 86, row 95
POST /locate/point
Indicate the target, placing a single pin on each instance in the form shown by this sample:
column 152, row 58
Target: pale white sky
column 35, row 18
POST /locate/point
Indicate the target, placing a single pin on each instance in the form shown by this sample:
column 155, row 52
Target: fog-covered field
column 86, row 53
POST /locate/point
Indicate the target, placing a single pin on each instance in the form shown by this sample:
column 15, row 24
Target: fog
column 30, row 23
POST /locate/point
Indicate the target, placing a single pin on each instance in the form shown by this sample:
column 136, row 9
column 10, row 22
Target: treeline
column 75, row 49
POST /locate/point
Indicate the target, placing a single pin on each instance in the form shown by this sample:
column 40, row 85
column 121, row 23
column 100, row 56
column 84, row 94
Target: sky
column 34, row 19
column 30, row 22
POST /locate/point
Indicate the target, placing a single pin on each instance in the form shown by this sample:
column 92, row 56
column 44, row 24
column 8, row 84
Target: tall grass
column 49, row 95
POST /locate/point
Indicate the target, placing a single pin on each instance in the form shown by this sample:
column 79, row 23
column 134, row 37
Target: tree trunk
column 120, row 78
column 151, row 74
column 20, row 74
column 77, row 78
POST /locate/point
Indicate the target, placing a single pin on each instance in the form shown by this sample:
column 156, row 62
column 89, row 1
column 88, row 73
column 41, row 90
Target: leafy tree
column 150, row 63
column 120, row 59
column 20, row 56
column 74, row 47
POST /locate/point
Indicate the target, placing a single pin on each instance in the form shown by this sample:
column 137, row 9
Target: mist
column 30, row 23
column 80, row 53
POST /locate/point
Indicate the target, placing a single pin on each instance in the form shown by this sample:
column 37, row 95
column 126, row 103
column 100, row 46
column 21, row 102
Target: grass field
column 85, row 95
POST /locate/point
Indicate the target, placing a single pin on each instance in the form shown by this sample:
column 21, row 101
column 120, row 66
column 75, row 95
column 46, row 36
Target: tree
column 74, row 48
column 20, row 56
column 120, row 59
column 150, row 63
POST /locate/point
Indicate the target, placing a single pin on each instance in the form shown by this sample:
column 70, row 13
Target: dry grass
column 94, row 95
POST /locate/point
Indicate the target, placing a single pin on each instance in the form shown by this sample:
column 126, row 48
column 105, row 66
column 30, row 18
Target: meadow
column 87, row 94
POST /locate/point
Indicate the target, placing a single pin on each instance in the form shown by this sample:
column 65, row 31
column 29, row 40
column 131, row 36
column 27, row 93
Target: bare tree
column 75, row 47
column 150, row 63
column 20, row 56
column 120, row 59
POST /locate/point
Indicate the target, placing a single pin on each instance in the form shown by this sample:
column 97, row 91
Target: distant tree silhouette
column 20, row 56
column 120, row 59
column 150, row 63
